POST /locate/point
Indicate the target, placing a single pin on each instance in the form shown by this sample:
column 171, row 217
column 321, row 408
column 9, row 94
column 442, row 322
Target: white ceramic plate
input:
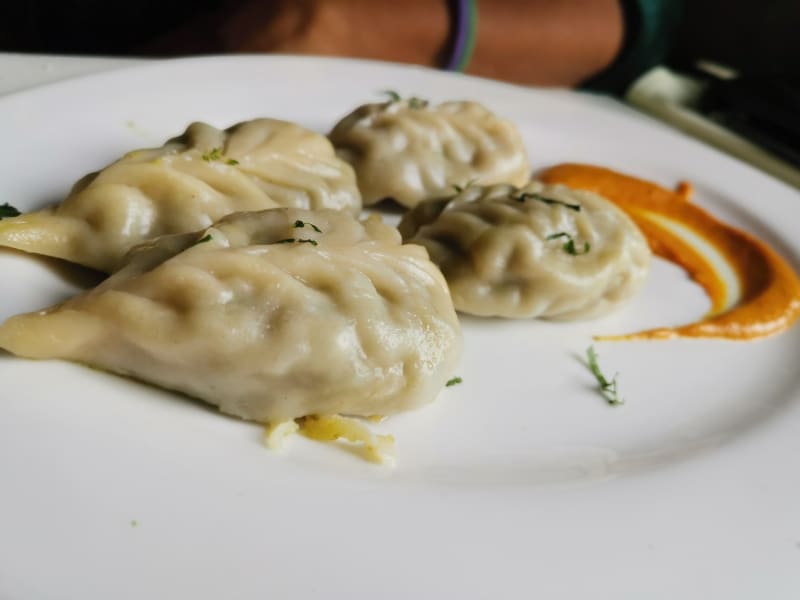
column 521, row 482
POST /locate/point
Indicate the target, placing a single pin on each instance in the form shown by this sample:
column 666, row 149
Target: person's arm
column 540, row 42
column 547, row 42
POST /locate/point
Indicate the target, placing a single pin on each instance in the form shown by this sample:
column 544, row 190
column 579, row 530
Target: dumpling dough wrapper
column 410, row 151
column 266, row 317
column 187, row 184
column 538, row 251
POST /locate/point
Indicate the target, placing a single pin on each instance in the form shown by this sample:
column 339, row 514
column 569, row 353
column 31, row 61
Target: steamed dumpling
column 409, row 151
column 266, row 317
column 539, row 251
column 185, row 185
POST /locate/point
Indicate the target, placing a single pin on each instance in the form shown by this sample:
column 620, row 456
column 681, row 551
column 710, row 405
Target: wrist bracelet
column 465, row 27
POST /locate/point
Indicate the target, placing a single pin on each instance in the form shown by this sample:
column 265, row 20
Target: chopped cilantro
column 453, row 381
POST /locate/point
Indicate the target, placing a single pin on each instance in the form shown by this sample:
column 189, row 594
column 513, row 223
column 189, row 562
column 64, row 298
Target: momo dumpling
column 539, row 251
column 185, row 185
column 410, row 151
column 270, row 316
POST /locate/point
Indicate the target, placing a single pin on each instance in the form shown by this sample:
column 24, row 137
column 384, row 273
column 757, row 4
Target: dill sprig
column 534, row 196
column 300, row 223
column 607, row 388
column 414, row 103
column 393, row 96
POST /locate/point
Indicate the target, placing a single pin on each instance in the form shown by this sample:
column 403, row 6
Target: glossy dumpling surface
column 185, row 185
column 270, row 316
column 410, row 151
column 539, row 251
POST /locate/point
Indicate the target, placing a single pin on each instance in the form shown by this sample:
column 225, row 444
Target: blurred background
column 544, row 42
column 735, row 62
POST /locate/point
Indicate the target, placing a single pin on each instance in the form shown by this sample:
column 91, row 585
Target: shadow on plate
column 70, row 273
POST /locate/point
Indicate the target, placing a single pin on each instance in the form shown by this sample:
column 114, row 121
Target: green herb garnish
column 6, row 210
column 534, row 196
column 300, row 223
column 413, row 102
column 569, row 245
column 213, row 154
column 607, row 388
column 393, row 96
column 203, row 240
column 296, row 241
column 216, row 154
column 453, row 381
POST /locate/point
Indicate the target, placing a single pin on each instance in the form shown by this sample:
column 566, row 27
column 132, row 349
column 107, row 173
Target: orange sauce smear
column 769, row 298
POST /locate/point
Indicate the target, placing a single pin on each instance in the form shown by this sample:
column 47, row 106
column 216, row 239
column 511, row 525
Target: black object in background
column 765, row 110
column 91, row 26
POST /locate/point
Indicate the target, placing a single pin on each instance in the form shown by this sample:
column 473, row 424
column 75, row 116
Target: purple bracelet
column 464, row 30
